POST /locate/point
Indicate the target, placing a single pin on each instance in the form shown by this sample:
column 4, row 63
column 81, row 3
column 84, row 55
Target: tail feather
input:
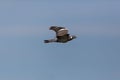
column 50, row 40
column 46, row 41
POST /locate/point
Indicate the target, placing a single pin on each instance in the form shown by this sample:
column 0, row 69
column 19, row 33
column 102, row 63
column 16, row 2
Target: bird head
column 73, row 37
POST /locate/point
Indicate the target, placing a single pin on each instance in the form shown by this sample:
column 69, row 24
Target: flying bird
column 62, row 35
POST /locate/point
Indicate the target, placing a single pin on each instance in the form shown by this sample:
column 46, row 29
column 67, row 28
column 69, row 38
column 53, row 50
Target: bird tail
column 50, row 40
column 46, row 41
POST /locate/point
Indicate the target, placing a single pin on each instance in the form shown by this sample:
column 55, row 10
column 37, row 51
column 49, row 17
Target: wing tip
column 52, row 27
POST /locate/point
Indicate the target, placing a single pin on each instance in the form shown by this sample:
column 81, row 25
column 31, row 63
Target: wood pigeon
column 62, row 35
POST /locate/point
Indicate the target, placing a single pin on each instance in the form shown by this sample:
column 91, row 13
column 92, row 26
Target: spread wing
column 56, row 28
column 60, row 31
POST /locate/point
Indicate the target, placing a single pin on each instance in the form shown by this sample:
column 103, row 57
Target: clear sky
column 94, row 55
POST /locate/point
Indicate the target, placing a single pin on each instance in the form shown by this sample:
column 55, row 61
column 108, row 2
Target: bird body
column 62, row 35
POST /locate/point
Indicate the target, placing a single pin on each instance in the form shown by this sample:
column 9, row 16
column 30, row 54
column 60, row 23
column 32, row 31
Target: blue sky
column 94, row 55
